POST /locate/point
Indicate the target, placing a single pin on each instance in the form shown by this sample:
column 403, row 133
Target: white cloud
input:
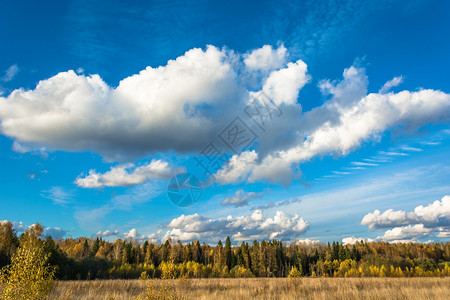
column 20, row 148
column 266, row 58
column 107, row 233
column 128, row 175
column 392, row 153
column 390, row 84
column 344, row 122
column 17, row 147
column 240, row 198
column 358, row 163
column 350, row 90
column 307, row 242
column 412, row 149
column 130, row 234
column 433, row 215
column 183, row 105
column 444, row 233
column 244, row 228
column 351, row 240
column 406, row 233
column 177, row 107
column 433, row 218
column 238, row 166
column 283, row 86
column 341, row 173
column 10, row 73
column 389, row 218
column 372, row 115
column 153, row 237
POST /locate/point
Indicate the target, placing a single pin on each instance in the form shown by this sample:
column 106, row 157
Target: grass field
column 260, row 288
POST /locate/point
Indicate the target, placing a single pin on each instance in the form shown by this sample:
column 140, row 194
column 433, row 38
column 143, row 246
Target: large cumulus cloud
column 180, row 106
column 349, row 118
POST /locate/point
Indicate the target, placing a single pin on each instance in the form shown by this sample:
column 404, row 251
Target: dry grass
column 264, row 288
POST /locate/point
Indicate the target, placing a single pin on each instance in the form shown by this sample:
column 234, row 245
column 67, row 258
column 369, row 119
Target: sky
column 294, row 120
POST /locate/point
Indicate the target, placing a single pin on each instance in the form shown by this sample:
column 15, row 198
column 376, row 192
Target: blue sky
column 102, row 104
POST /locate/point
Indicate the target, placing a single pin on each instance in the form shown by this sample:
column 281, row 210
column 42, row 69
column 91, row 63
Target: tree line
column 95, row 258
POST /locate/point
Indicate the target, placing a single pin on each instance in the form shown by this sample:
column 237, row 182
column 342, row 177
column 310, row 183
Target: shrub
column 294, row 273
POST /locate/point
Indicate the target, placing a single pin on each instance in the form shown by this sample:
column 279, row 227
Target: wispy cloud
column 316, row 27
column 431, row 143
column 390, row 84
column 392, row 153
column 331, row 176
column 59, row 195
column 378, row 159
column 10, row 73
column 277, row 204
column 355, row 168
column 240, row 198
column 381, row 157
column 358, row 163
column 341, row 173
column 35, row 175
column 89, row 218
column 411, row 149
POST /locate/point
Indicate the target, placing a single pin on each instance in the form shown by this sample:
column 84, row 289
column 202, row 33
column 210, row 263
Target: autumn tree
column 29, row 275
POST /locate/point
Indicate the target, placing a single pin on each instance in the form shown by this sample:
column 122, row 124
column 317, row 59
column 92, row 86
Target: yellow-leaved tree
column 28, row 276
column 295, row 273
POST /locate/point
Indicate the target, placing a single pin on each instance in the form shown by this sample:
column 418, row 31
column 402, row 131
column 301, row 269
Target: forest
column 94, row 258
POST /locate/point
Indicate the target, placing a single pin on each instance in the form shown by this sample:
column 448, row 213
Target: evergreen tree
column 95, row 247
column 85, row 247
column 8, row 242
column 228, row 253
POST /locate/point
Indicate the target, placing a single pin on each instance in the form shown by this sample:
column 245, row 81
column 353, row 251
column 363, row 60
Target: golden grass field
column 260, row 288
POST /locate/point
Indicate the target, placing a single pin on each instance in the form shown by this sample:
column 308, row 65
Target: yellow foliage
column 294, row 273
column 28, row 277
column 168, row 270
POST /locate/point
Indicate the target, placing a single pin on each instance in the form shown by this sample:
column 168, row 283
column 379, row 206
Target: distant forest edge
column 94, row 258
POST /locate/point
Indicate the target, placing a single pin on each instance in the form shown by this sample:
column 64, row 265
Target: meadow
column 37, row 268
column 256, row 288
